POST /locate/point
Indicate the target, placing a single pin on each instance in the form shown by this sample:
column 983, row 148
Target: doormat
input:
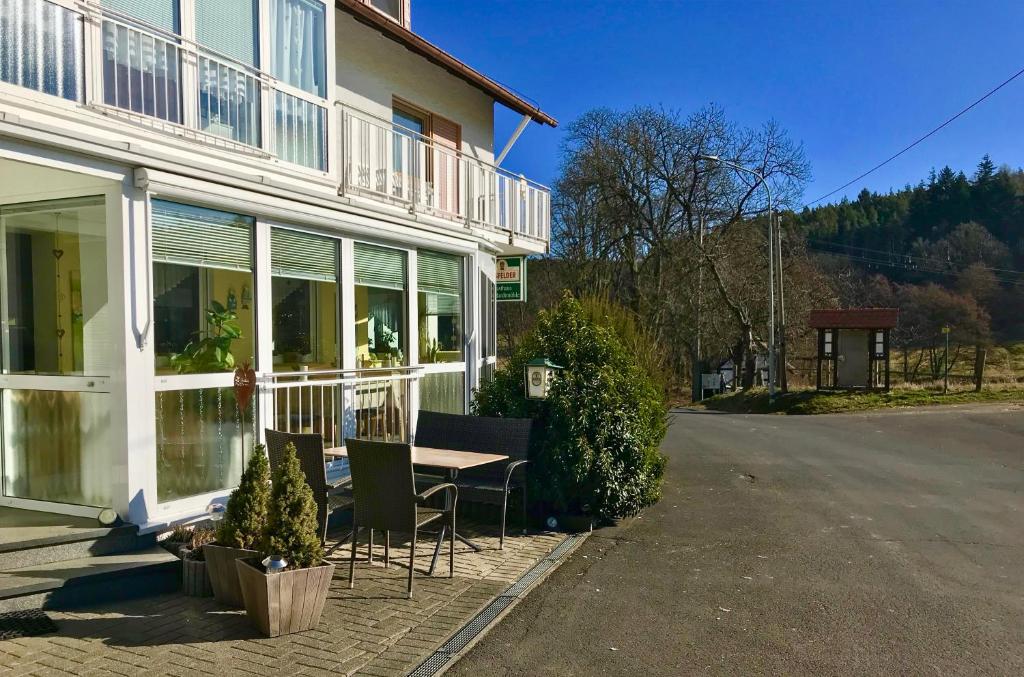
column 30, row 623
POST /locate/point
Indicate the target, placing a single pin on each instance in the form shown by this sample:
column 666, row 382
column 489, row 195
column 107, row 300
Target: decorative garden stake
column 540, row 372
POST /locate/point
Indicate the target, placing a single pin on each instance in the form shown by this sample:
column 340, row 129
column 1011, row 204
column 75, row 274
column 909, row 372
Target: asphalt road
column 855, row 544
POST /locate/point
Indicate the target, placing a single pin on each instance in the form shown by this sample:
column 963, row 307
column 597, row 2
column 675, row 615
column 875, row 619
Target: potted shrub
column 239, row 533
column 179, row 538
column 195, row 581
column 286, row 591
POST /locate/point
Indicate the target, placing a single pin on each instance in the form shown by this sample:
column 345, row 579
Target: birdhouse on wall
column 540, row 373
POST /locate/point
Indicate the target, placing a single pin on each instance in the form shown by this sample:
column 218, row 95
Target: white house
column 312, row 167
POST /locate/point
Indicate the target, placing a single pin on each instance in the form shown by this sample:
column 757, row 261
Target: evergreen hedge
column 597, row 453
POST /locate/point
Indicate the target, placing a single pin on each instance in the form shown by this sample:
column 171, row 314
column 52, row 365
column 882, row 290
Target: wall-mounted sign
column 510, row 277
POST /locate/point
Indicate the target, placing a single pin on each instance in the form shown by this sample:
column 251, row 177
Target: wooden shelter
column 853, row 347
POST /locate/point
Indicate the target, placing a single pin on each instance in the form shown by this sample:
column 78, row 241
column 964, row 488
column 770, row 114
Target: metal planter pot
column 220, row 566
column 284, row 602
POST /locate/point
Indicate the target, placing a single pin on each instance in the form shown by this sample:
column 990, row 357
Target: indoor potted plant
column 195, row 581
column 285, row 592
column 239, row 533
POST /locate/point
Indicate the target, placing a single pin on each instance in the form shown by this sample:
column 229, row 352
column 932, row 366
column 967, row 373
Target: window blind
column 197, row 236
column 163, row 14
column 437, row 272
column 379, row 266
column 303, row 256
column 229, row 27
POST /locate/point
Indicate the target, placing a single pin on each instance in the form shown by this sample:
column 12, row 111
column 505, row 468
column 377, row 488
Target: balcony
column 149, row 77
column 389, row 163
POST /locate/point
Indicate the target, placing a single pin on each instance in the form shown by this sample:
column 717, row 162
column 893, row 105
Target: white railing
column 159, row 79
column 390, row 163
column 372, row 404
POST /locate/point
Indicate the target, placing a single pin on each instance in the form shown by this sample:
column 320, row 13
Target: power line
column 927, row 259
column 921, row 139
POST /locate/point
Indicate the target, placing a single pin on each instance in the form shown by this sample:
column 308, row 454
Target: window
column 142, row 58
column 879, row 343
column 41, row 48
column 202, row 289
column 425, row 153
column 392, row 8
column 203, row 315
column 297, row 55
column 229, row 27
column 304, row 291
column 56, row 287
column 827, row 343
column 380, row 288
column 300, row 131
column 229, row 96
column 439, row 286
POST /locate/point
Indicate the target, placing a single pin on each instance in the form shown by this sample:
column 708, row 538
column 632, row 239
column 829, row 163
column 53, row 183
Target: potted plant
column 195, row 581
column 286, row 591
column 212, row 351
column 239, row 533
column 179, row 538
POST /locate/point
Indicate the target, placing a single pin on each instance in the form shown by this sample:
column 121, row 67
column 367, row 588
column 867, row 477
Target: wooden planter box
column 285, row 602
column 195, row 580
column 220, row 565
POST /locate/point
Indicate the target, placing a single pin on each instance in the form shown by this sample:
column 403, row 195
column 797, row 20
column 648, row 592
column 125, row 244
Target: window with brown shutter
column 446, row 136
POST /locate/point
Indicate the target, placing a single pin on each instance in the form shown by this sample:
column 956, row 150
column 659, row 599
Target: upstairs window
column 297, row 50
column 41, row 48
column 392, row 8
column 229, row 28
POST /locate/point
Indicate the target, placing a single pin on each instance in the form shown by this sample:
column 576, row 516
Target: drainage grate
column 432, row 665
column 468, row 632
column 529, row 578
column 564, row 546
column 30, row 623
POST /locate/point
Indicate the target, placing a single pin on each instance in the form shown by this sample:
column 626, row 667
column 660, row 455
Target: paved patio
column 371, row 630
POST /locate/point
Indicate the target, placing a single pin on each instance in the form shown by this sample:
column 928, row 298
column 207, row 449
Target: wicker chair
column 385, row 498
column 310, row 450
column 491, row 483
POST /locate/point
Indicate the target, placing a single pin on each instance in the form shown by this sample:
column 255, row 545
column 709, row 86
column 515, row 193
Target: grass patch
column 806, row 402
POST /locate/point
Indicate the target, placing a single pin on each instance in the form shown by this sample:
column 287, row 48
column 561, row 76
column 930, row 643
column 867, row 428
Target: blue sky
column 854, row 81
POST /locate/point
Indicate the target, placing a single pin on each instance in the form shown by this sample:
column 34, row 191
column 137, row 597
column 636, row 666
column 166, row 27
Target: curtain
column 297, row 51
column 41, row 47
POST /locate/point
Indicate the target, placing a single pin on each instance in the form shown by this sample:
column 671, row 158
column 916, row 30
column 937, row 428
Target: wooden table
column 449, row 460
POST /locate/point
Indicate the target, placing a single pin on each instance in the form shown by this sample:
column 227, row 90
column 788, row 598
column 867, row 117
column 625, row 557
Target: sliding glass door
column 56, row 338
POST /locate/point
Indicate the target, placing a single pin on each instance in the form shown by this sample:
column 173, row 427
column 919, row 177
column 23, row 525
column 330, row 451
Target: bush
column 291, row 530
column 602, row 423
column 246, row 516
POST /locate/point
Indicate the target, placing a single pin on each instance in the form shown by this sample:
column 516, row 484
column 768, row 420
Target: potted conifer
column 286, row 591
column 241, row 530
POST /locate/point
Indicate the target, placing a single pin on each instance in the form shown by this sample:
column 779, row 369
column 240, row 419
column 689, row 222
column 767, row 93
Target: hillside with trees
column 950, row 248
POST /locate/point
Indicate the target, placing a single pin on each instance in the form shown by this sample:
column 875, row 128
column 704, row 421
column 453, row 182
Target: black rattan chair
column 385, row 498
column 310, row 450
column 491, row 483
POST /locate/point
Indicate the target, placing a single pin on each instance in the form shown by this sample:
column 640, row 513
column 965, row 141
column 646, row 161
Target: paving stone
column 372, row 629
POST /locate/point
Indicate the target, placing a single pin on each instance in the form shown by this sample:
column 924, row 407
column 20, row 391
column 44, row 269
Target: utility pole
column 945, row 362
column 783, row 377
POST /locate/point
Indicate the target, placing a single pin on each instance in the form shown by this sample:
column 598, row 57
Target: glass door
column 56, row 344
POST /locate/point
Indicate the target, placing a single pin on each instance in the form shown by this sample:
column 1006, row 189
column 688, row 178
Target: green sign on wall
column 511, row 278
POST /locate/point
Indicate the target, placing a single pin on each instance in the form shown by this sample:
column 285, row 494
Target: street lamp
column 771, row 268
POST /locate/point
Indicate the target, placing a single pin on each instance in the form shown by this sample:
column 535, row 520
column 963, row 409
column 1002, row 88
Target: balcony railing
column 369, row 404
column 161, row 80
column 393, row 164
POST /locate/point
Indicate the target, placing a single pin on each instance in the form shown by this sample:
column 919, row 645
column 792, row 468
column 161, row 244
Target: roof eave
column 414, row 43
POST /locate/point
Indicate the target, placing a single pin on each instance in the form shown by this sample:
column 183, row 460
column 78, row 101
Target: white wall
column 372, row 69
